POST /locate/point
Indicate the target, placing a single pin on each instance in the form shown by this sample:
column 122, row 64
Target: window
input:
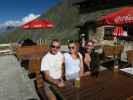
column 108, row 33
column 129, row 29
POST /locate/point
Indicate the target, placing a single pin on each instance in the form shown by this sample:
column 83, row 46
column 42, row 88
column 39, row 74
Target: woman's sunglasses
column 71, row 47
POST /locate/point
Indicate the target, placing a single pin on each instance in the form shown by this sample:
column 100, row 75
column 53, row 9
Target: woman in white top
column 73, row 62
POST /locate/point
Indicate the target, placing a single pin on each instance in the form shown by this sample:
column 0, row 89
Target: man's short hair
column 55, row 40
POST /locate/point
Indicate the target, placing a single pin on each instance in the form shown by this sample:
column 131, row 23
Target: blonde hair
column 77, row 53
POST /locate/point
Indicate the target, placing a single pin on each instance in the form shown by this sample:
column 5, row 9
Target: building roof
column 95, row 16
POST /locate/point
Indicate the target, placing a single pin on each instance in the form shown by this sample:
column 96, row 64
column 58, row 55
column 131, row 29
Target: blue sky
column 16, row 10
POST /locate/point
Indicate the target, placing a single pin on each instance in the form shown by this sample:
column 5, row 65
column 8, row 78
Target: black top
column 28, row 42
column 94, row 65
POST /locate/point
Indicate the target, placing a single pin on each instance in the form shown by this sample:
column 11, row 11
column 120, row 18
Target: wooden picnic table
column 107, row 86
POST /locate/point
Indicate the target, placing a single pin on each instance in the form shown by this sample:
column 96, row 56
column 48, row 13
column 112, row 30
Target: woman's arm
column 81, row 65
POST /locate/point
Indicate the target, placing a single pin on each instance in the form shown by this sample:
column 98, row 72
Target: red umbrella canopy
column 123, row 16
column 38, row 24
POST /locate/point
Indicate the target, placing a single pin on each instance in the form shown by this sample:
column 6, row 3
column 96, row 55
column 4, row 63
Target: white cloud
column 29, row 18
column 10, row 23
column 19, row 22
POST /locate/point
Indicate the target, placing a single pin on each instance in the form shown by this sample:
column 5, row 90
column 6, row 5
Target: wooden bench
column 36, row 64
column 29, row 53
column 34, row 55
column 39, row 82
column 21, row 52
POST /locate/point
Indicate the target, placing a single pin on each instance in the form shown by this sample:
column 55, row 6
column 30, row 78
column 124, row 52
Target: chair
column 130, row 56
column 111, row 52
column 108, row 52
column 117, row 51
column 112, row 55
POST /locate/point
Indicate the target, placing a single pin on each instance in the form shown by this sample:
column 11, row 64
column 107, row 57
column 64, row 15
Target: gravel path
column 14, row 83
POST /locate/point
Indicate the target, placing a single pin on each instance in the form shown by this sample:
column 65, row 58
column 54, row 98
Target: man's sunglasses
column 57, row 47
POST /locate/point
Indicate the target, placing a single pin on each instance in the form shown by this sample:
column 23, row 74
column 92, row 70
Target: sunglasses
column 57, row 47
column 72, row 47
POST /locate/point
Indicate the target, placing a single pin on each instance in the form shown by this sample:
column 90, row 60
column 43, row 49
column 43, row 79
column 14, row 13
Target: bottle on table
column 116, row 65
column 77, row 81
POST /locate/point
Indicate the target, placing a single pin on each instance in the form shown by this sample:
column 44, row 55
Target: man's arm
column 58, row 83
column 50, row 79
column 63, row 69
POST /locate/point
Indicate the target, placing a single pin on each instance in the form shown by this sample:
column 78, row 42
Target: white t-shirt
column 72, row 66
column 53, row 64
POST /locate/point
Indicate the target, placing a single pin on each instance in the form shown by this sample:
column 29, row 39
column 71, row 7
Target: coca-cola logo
column 128, row 18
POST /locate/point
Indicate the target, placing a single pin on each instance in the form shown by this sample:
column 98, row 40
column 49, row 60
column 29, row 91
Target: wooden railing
column 6, row 48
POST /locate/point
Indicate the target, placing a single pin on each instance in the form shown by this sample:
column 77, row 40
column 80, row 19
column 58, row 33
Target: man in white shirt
column 52, row 65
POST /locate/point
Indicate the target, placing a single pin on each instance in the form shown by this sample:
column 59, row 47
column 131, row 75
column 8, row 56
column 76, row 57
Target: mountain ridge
column 61, row 15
